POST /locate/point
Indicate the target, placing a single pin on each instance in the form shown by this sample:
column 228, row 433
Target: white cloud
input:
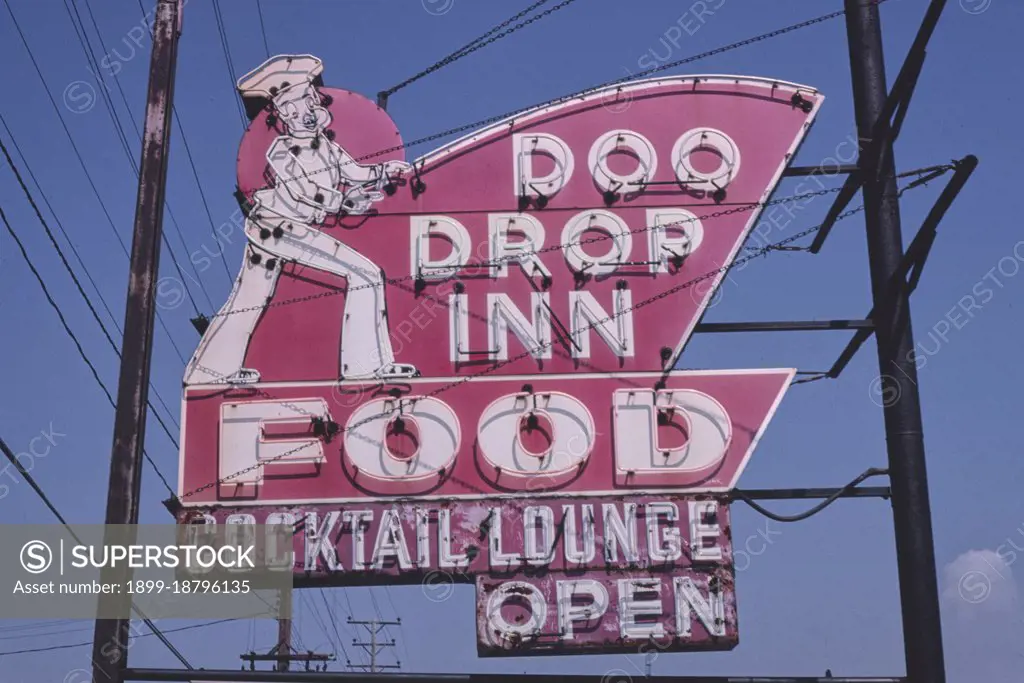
column 982, row 625
column 979, row 584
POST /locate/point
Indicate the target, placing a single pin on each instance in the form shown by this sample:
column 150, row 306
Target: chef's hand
column 392, row 168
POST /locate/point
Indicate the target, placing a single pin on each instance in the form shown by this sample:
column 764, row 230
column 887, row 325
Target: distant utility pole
column 375, row 646
column 283, row 654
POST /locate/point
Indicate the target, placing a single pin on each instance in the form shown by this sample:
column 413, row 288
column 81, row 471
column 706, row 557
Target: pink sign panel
column 453, row 541
column 578, row 435
column 462, row 364
column 547, row 243
column 601, row 612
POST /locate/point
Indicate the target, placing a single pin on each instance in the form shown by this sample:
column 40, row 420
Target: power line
column 74, row 250
column 56, row 513
column 78, row 155
column 227, row 59
column 83, row 40
column 202, row 197
column 141, row 635
column 31, row 627
column 387, row 594
column 580, row 93
column 115, row 119
column 195, row 174
column 67, row 329
column 334, row 625
column 478, row 43
column 74, row 278
column 23, row 636
column 60, row 224
column 263, row 29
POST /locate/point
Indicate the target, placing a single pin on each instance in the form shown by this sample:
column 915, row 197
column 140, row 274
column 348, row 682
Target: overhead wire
column 263, row 28
column 60, row 224
column 67, row 646
column 80, row 159
column 334, row 625
column 116, row 121
column 232, row 74
column 311, row 607
column 480, row 42
column 30, row 480
column 589, row 90
column 78, row 285
column 195, row 173
column 71, row 334
column 398, row 617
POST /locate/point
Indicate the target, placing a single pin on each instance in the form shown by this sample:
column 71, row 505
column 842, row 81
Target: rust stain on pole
column 111, row 635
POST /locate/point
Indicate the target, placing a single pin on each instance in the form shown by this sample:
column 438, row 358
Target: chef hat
column 279, row 73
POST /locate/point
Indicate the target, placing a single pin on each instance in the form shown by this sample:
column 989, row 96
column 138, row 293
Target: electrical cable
column 867, row 474
column 78, row 284
column 480, row 42
column 81, row 160
column 67, row 329
column 86, row 44
column 398, row 617
column 141, row 635
column 263, row 28
column 334, row 625
column 116, row 120
column 195, row 174
column 56, row 513
column 228, row 61
column 60, row 224
column 580, row 93
column 318, row 622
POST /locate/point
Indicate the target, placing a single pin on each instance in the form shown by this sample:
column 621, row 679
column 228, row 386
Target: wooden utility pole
column 111, row 635
column 283, row 654
column 284, row 632
column 375, row 646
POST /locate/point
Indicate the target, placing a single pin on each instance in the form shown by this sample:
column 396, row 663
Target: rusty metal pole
column 111, row 635
column 915, row 547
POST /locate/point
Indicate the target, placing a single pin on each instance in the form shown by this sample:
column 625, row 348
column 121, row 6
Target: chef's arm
column 302, row 186
column 357, row 173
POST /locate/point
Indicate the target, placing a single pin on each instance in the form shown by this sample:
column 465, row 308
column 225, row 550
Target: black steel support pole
column 915, row 552
column 111, row 635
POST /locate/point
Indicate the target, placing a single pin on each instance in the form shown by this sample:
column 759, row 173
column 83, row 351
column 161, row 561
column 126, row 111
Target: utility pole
column 284, row 632
column 915, row 551
column 283, row 654
column 111, row 635
column 374, row 647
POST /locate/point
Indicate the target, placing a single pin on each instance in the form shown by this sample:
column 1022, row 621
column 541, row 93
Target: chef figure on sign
column 313, row 178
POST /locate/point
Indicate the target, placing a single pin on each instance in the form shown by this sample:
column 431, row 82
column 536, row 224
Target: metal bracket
column 912, row 265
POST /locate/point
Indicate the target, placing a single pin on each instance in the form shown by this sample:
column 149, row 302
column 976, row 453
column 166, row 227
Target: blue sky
column 814, row 595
